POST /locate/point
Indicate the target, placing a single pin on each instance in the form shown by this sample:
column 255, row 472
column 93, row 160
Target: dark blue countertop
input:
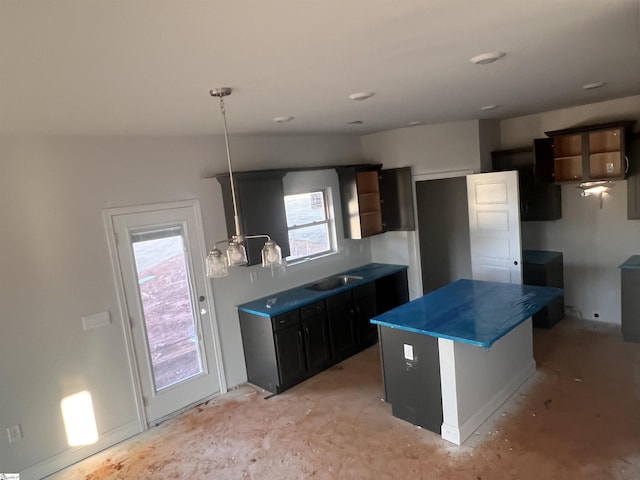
column 297, row 297
column 540, row 256
column 631, row 262
column 470, row 311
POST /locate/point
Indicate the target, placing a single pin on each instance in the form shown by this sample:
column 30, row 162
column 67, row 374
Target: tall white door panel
column 160, row 259
column 494, row 226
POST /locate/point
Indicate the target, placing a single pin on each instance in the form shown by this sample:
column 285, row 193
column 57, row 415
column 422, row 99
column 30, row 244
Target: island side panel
column 411, row 373
column 475, row 381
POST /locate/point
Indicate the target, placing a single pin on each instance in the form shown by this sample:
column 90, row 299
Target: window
column 308, row 224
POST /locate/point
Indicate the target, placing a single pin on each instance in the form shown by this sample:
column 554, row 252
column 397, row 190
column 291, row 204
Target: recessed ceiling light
column 282, row 119
column 591, row 86
column 356, row 122
column 414, row 123
column 489, row 107
column 361, row 95
column 485, row 58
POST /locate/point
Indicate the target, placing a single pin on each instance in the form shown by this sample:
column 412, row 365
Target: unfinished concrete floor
column 578, row 418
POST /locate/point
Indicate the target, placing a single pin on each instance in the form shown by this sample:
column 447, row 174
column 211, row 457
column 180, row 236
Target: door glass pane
column 166, row 298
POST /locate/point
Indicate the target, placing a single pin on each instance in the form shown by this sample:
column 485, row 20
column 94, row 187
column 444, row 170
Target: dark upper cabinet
column 633, row 183
column 396, row 197
column 543, row 160
column 539, row 201
column 375, row 200
column 589, row 153
column 260, row 199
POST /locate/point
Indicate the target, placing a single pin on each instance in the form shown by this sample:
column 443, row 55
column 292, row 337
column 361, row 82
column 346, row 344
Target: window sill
column 300, row 261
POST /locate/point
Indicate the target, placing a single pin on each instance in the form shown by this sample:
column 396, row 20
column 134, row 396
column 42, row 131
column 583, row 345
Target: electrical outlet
column 14, row 433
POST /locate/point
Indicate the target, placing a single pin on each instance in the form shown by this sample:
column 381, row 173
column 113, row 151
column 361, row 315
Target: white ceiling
column 113, row 67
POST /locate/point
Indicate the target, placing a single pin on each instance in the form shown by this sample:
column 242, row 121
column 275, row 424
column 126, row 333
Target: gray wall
column 443, row 215
column 432, row 151
column 56, row 268
column 594, row 241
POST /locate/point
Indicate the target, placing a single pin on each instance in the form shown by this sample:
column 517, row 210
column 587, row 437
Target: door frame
column 421, row 177
column 107, row 216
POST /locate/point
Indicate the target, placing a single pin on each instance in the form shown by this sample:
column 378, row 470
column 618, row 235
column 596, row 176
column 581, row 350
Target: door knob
column 515, row 262
column 201, row 298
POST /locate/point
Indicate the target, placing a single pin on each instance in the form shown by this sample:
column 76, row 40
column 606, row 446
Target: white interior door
column 161, row 264
column 494, row 226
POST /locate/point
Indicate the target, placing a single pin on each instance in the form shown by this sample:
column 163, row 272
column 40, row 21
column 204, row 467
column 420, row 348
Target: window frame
column 329, row 221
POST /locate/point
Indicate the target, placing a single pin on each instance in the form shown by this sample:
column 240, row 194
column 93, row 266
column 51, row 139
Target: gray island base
column 453, row 356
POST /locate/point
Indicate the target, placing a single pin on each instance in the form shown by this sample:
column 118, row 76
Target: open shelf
column 370, row 223
column 591, row 153
column 369, row 202
column 567, row 146
column 367, row 182
column 568, row 169
column 606, row 165
column 603, row 141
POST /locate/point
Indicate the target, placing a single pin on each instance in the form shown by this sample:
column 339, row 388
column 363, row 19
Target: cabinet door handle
column 306, row 330
column 626, row 159
column 299, row 338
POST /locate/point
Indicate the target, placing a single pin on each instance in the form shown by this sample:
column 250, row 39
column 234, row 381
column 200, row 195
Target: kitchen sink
column 332, row 282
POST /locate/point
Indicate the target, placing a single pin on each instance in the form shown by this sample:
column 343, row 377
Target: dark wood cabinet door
column 365, row 310
column 260, row 197
column 633, row 184
column 543, row 160
column 290, row 354
column 391, row 291
column 396, row 197
column 342, row 331
column 316, row 342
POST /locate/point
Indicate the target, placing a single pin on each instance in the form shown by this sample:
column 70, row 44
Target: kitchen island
column 453, row 356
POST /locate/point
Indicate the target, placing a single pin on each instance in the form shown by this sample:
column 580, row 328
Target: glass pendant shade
column 216, row 264
column 236, row 254
column 271, row 254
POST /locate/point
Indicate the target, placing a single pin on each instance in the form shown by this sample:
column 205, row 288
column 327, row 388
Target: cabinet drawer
column 286, row 319
column 339, row 300
column 312, row 310
column 366, row 290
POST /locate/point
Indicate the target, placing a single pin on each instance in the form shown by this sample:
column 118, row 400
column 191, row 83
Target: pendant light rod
column 220, row 93
column 217, row 263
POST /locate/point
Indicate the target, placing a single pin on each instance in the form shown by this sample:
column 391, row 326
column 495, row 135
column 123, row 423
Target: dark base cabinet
column 630, row 301
column 286, row 349
column 412, row 385
column 545, row 268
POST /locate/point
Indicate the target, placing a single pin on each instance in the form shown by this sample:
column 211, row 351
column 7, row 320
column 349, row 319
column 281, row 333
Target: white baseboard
column 69, row 457
column 459, row 434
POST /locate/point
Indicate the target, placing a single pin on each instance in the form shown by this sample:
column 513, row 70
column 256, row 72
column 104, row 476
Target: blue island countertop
column 470, row 311
column 632, row 262
column 287, row 300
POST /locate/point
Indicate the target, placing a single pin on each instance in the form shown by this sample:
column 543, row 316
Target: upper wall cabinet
column 260, row 197
column 597, row 152
column 633, row 184
column 539, row 200
column 375, row 200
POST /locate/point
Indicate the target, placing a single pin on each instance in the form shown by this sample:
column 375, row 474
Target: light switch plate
column 96, row 320
column 14, row 433
column 408, row 352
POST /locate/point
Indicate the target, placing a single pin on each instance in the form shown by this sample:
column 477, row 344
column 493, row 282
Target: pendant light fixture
column 218, row 263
